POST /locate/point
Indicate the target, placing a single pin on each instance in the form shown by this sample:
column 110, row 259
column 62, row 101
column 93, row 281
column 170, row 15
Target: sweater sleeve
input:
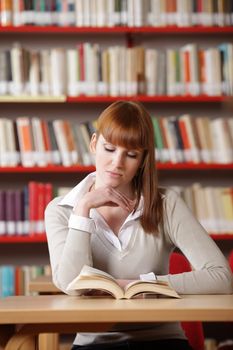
column 211, row 273
column 69, row 247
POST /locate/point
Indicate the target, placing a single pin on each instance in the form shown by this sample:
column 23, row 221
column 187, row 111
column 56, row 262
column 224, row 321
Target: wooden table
column 23, row 318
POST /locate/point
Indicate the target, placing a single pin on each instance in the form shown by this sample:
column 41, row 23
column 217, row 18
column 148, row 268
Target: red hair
column 128, row 124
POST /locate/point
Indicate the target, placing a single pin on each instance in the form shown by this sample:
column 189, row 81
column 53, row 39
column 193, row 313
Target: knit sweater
column 73, row 243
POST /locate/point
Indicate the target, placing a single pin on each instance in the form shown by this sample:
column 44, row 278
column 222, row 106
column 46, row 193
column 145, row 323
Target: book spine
column 26, row 226
column 12, row 150
column 70, row 141
column 19, row 212
column 7, row 281
column 158, row 139
column 3, row 143
column 33, row 206
column 25, row 141
column 6, row 13
column 47, row 142
column 40, row 208
column 62, row 142
column 55, row 155
column 48, row 193
column 2, row 212
column 10, row 213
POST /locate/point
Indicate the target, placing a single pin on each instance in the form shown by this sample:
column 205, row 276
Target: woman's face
column 116, row 166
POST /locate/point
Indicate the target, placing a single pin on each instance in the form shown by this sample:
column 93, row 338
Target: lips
column 114, row 174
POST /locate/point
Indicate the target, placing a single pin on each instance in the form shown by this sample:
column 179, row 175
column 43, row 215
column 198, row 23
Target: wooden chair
column 193, row 330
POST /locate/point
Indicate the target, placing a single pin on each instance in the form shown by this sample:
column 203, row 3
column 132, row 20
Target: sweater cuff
column 81, row 223
column 148, row 276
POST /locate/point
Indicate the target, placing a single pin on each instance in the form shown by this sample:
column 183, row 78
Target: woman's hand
column 103, row 196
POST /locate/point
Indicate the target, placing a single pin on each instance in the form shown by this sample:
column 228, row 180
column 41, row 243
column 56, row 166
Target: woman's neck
column 127, row 190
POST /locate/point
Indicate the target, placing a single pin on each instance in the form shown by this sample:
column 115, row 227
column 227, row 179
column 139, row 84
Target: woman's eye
column 108, row 149
column 132, row 155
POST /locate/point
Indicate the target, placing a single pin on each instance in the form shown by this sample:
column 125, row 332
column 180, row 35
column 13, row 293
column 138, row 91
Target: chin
column 113, row 184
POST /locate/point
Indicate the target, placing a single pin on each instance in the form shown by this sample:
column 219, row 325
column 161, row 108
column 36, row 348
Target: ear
column 93, row 142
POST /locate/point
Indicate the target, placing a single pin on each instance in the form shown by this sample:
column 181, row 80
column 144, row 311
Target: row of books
column 39, row 142
column 14, row 280
column 193, row 139
column 178, row 139
column 108, row 13
column 22, row 210
column 91, row 70
column 212, row 206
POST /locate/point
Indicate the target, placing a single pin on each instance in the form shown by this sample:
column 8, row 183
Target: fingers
column 103, row 196
column 109, row 196
column 120, row 199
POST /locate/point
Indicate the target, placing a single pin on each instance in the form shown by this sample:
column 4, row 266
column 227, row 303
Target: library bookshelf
column 110, row 99
column 12, row 106
column 169, row 30
column 87, row 169
column 42, row 238
column 24, row 239
column 147, row 99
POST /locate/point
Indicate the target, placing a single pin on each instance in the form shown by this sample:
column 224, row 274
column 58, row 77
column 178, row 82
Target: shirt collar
column 138, row 212
column 78, row 191
column 82, row 187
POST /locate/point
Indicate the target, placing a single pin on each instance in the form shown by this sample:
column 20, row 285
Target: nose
column 118, row 159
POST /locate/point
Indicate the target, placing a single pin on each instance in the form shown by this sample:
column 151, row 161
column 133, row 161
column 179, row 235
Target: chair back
column 230, row 260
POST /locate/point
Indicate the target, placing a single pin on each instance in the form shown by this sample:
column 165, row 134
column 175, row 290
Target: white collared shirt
column 96, row 221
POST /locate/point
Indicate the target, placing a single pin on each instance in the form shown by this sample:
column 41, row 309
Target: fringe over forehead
column 126, row 124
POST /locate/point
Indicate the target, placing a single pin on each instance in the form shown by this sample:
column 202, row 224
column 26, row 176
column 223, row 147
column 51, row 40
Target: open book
column 94, row 279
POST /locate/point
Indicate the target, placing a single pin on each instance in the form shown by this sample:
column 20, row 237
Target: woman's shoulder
column 55, row 201
column 53, row 205
column 170, row 194
column 171, row 199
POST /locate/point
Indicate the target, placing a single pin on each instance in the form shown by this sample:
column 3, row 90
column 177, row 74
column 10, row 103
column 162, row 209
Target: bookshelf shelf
column 222, row 236
column 32, row 99
column 48, row 169
column 33, row 29
column 193, row 166
column 109, row 99
column 145, row 98
column 41, row 238
column 86, row 169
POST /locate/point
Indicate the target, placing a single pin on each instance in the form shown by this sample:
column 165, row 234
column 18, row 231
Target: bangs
column 125, row 132
column 127, row 124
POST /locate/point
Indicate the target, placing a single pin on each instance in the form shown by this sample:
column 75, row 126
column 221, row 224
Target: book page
column 158, row 287
column 141, row 283
column 92, row 272
column 85, row 283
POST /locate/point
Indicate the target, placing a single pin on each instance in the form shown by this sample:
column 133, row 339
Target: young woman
column 118, row 220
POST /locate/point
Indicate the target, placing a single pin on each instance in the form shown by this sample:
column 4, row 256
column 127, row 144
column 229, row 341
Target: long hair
column 128, row 124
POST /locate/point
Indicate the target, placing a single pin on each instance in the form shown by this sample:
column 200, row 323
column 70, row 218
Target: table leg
column 48, row 341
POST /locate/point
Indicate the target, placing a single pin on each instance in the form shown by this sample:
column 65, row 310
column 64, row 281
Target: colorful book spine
column 2, row 212
column 33, row 206
column 19, row 212
column 10, row 212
